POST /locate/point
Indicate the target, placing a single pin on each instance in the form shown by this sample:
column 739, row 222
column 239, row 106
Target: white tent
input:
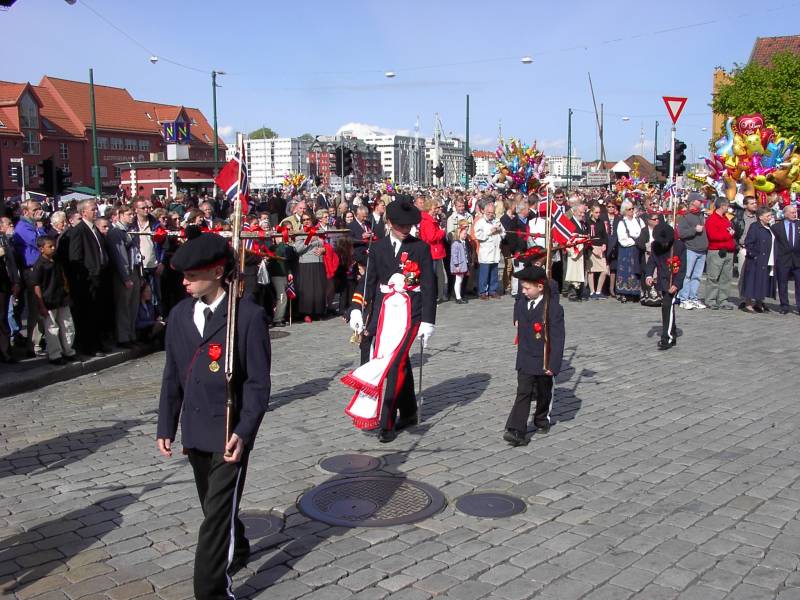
column 75, row 196
column 621, row 167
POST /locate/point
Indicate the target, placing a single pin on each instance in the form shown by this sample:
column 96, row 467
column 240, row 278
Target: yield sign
column 674, row 106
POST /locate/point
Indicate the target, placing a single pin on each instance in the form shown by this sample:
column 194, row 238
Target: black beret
column 663, row 234
column 202, row 252
column 531, row 273
column 403, row 212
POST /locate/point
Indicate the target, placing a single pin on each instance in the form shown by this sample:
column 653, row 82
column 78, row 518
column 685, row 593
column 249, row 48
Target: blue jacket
column 191, row 388
column 530, row 351
column 24, row 240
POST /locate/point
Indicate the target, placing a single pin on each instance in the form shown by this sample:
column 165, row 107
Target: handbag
column 263, row 273
column 650, row 296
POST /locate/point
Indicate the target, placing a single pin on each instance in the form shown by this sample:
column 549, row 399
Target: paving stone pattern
column 668, row 475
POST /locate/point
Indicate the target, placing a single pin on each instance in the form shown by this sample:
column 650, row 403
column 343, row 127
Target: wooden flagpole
column 548, row 242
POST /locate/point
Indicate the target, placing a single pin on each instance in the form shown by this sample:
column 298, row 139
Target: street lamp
column 526, row 60
column 390, row 74
column 214, row 102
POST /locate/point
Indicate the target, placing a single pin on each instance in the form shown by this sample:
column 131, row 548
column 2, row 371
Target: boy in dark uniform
column 668, row 258
column 193, row 390
column 534, row 382
column 385, row 259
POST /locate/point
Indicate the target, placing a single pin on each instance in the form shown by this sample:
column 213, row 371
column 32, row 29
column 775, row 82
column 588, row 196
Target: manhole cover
column 490, row 505
column 347, row 464
column 276, row 335
column 371, row 502
column 259, row 524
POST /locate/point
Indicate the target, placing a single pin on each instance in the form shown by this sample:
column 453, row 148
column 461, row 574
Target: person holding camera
column 719, row 262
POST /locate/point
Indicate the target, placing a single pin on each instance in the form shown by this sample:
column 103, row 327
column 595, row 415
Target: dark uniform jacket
column 530, row 351
column 189, row 386
column 659, row 262
column 383, row 264
column 786, row 257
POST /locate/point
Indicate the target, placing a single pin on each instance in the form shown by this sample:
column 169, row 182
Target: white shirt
column 395, row 244
column 200, row 307
column 534, row 303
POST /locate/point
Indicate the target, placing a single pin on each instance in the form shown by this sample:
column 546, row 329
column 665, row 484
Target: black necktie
column 207, row 313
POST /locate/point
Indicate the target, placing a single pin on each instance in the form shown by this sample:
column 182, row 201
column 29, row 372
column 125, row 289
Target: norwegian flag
column 232, row 179
column 541, row 208
column 563, row 227
column 290, row 293
column 669, row 192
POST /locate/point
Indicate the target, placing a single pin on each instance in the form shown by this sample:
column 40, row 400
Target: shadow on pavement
column 458, row 391
column 565, row 403
column 64, row 449
column 306, row 389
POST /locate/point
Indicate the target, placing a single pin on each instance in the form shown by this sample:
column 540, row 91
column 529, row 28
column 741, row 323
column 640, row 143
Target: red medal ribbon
column 214, row 351
column 537, row 327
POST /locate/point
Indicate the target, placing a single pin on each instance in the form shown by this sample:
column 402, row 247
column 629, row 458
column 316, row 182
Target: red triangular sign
column 674, row 106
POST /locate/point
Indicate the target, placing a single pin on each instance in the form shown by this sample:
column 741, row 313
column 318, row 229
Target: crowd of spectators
column 82, row 278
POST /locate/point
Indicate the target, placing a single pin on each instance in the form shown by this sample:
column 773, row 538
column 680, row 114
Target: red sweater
column 433, row 235
column 720, row 233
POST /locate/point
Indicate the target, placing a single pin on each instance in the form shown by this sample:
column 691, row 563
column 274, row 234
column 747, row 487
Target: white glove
column 424, row 333
column 356, row 321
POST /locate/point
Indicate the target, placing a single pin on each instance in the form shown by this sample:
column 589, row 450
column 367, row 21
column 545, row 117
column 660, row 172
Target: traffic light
column 662, row 164
column 15, row 173
column 348, row 162
column 339, row 160
column 439, row 171
column 47, row 176
column 680, row 157
column 470, row 166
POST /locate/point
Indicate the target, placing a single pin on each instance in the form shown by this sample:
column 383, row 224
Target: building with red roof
column 52, row 120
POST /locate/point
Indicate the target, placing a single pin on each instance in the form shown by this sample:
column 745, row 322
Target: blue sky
column 313, row 66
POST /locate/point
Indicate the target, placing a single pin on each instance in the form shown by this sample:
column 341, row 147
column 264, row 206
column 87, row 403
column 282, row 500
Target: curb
column 39, row 377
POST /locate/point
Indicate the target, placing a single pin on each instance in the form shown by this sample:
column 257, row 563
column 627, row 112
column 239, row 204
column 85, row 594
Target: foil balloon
column 519, row 167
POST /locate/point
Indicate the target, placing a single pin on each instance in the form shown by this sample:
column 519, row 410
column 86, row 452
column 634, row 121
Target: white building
column 485, row 163
column 450, row 155
column 402, row 156
column 557, row 168
column 268, row 160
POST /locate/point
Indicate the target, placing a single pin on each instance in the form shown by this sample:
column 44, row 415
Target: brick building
column 53, row 120
column 367, row 166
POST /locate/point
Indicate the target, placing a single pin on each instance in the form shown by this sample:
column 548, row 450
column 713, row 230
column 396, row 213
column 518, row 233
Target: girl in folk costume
column 574, row 277
column 399, row 294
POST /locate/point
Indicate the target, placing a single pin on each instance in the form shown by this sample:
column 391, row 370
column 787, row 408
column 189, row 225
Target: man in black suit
column 360, row 231
column 386, row 258
column 86, row 269
column 377, row 220
column 787, row 256
column 193, row 391
column 534, row 381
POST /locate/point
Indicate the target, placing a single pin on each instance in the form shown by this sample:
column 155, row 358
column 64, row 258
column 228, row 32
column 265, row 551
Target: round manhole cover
column 347, row 464
column 276, row 335
column 489, row 504
column 259, row 524
column 371, row 502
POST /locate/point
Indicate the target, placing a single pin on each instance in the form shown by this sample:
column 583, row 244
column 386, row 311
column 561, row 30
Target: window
column 2, row 125
column 148, row 116
column 144, row 145
column 28, row 113
column 116, row 143
column 31, row 143
column 130, row 144
column 103, row 171
column 117, row 172
column 63, row 151
column 102, row 143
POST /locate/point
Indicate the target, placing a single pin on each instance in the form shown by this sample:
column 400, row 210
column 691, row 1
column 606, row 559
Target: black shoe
column 279, row 323
column 8, row 359
column 107, row 349
column 386, row 435
column 784, row 310
column 662, row 345
column 98, row 354
column 58, row 362
column 406, row 422
column 73, row 358
column 765, row 308
column 726, row 307
column 461, row 301
column 515, row 439
column 32, row 353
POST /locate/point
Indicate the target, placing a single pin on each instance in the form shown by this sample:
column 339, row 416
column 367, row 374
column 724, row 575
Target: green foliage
column 265, row 133
column 307, row 137
column 773, row 91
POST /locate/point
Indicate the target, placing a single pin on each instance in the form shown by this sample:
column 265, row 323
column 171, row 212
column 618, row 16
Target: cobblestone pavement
column 669, row 474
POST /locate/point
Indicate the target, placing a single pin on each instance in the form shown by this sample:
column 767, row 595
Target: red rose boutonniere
column 214, row 353
column 674, row 263
column 411, row 270
column 537, row 328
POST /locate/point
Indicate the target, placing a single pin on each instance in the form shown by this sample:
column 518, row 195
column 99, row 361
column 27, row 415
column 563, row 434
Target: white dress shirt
column 199, row 310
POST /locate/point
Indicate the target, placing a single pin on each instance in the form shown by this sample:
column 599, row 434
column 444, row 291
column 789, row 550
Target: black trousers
column 399, row 394
column 221, row 539
column 531, row 388
column 86, row 309
column 669, row 329
column 365, row 346
column 783, row 286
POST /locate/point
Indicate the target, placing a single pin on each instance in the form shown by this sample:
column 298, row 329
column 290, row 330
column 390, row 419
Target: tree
column 265, row 133
column 306, row 137
column 773, row 91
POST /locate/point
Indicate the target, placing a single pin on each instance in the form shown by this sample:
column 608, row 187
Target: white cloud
column 553, row 146
column 644, row 150
column 225, row 131
column 364, row 130
column 483, row 141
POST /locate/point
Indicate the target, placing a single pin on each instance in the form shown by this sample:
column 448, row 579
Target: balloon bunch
column 519, row 167
column 294, row 181
column 387, row 187
column 755, row 157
